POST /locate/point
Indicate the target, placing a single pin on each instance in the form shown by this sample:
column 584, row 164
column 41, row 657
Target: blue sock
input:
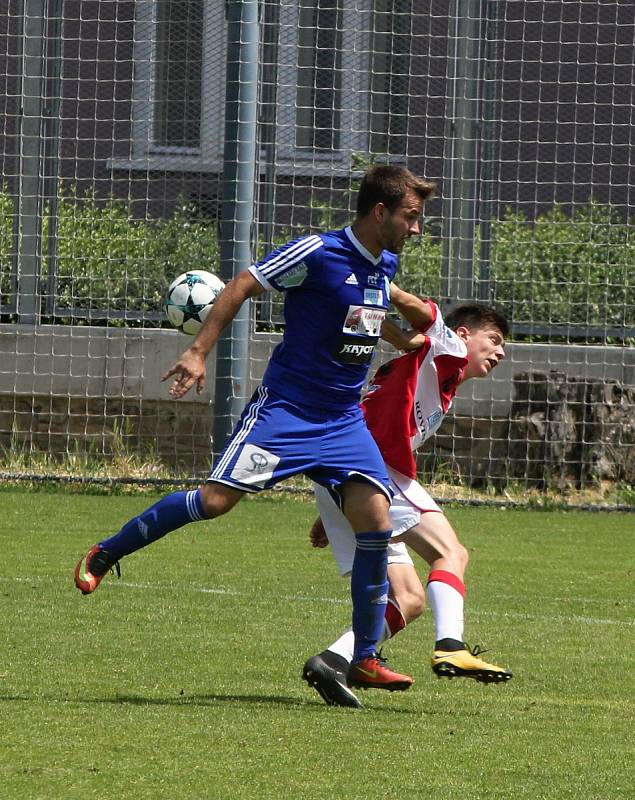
column 369, row 590
column 171, row 512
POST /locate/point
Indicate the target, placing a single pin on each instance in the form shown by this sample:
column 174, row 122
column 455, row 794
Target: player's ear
column 380, row 212
column 463, row 332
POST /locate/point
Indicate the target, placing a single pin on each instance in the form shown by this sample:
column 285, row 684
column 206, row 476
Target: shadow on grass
column 197, row 700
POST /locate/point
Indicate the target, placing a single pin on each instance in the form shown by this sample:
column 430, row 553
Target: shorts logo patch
column 366, row 321
column 255, row 466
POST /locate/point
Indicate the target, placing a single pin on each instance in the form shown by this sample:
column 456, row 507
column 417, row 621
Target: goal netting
column 142, row 139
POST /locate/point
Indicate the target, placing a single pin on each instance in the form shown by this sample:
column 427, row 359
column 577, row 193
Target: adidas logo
column 143, row 528
column 382, row 600
column 352, row 280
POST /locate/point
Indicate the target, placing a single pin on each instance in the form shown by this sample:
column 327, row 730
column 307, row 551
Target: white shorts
column 409, row 502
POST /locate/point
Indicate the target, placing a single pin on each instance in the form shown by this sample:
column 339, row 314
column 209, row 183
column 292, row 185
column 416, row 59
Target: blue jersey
column 336, row 298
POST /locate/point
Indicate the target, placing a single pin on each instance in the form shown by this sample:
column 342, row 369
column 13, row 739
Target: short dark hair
column 476, row 315
column 389, row 184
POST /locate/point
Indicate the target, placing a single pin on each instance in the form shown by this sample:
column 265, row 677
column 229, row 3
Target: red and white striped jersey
column 409, row 396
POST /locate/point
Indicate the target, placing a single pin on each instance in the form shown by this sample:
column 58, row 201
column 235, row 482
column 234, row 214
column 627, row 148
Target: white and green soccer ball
column 190, row 298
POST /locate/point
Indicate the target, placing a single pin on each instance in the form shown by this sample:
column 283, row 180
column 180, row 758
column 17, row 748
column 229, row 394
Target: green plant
column 559, row 268
column 6, row 242
column 108, row 260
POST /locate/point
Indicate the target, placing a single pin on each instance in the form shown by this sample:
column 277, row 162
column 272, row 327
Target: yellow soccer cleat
column 466, row 663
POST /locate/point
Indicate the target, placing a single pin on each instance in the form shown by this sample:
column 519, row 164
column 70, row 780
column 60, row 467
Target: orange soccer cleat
column 372, row 673
column 92, row 568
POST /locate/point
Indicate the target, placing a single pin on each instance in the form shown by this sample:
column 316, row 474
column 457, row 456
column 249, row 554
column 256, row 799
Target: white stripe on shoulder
column 292, row 255
column 259, row 277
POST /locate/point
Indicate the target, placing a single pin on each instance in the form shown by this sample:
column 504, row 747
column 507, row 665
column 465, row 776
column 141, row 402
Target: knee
column 462, row 557
column 215, row 500
column 456, row 559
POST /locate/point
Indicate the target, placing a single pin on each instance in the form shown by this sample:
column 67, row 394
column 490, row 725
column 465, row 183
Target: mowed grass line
column 182, row 680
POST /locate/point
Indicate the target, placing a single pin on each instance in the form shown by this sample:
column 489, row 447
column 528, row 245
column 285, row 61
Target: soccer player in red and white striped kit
column 405, row 405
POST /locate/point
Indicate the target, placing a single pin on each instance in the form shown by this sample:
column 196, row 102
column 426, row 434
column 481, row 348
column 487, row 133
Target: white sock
column 447, row 608
column 345, row 644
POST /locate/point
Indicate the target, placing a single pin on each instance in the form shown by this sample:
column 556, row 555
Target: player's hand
column 412, row 340
column 317, row 534
column 188, row 371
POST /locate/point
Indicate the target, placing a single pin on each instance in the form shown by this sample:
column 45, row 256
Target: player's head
column 483, row 329
column 390, row 200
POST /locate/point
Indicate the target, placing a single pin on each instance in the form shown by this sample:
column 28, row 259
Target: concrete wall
column 128, row 363
column 493, row 396
column 63, row 387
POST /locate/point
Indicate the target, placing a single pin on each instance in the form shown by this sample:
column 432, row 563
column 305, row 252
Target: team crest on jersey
column 366, row 321
column 293, row 277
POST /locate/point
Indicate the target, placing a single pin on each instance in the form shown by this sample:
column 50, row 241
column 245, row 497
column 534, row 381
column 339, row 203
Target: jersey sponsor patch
column 373, row 297
column 355, row 349
column 293, row 277
column 366, row 321
column 255, row 466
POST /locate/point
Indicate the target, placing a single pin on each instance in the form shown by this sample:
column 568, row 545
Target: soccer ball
column 190, row 298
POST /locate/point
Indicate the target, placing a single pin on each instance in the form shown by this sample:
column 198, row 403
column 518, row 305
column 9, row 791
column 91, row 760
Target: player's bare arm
column 412, row 308
column 190, row 368
column 401, row 340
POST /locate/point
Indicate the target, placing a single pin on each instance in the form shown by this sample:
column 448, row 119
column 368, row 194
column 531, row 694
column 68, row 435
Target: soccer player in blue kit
column 305, row 417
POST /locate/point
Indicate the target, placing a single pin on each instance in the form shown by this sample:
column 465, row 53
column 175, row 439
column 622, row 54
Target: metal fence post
column 489, row 148
column 29, row 201
column 237, row 207
column 462, row 135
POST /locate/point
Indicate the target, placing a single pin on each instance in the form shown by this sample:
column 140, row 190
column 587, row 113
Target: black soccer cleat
column 329, row 682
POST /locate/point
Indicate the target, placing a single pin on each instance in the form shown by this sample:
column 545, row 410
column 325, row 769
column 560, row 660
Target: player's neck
column 367, row 236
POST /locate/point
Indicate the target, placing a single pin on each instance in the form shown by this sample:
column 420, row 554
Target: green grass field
column 182, row 680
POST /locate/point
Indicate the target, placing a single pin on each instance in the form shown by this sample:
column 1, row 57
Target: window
column 319, row 95
column 314, row 80
column 178, row 70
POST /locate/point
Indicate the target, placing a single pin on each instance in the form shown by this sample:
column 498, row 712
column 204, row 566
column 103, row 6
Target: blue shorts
column 275, row 439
